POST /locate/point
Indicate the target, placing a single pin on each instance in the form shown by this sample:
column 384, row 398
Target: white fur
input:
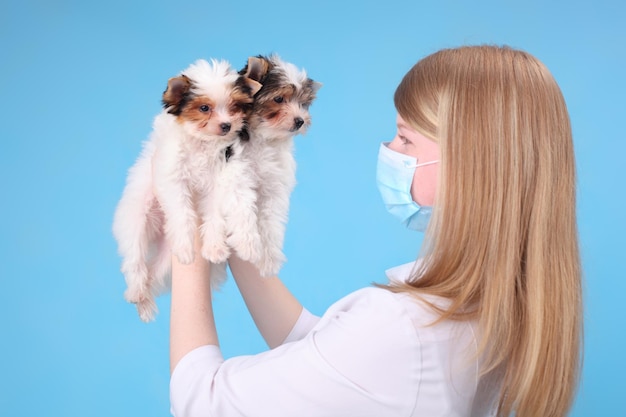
column 296, row 76
column 270, row 150
column 276, row 167
column 195, row 186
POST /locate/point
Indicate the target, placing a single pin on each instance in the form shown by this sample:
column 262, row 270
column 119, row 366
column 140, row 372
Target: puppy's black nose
column 298, row 122
column 225, row 127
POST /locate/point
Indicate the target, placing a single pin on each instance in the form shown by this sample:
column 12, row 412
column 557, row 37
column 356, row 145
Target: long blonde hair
column 502, row 243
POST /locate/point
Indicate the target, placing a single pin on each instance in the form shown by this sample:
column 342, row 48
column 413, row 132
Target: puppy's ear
column 257, row 67
column 177, row 87
column 255, row 86
column 315, row 85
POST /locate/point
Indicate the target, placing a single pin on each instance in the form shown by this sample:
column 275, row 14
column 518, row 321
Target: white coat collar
column 401, row 273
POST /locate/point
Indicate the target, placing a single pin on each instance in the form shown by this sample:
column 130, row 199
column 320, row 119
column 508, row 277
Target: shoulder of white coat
column 376, row 297
column 375, row 304
column 382, row 302
column 369, row 340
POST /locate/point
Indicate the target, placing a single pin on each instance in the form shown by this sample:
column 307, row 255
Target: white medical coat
column 373, row 353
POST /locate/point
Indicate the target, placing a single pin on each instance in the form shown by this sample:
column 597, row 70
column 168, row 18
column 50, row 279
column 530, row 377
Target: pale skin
column 273, row 307
column 410, row 142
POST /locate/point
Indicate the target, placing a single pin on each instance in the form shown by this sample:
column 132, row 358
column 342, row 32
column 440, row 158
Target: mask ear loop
column 420, row 165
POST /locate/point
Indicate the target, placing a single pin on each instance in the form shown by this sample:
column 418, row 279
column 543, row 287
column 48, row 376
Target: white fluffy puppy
column 280, row 112
column 193, row 162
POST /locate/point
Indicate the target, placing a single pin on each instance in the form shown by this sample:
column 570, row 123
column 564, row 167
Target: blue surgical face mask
column 394, row 175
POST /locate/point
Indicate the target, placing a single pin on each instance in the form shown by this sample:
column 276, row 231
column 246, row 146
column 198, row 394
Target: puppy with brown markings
column 194, row 163
column 279, row 113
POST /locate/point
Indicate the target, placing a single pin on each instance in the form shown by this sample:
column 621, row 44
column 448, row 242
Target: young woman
column 486, row 323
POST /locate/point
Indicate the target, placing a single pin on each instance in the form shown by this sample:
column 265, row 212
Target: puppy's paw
column 215, row 252
column 248, row 249
column 214, row 247
column 270, row 263
column 147, row 310
column 137, row 289
column 143, row 300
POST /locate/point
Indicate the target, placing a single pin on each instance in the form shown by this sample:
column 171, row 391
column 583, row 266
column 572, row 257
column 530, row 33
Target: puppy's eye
column 278, row 99
column 205, row 108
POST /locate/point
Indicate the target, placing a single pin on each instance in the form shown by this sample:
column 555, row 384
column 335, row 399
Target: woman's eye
column 205, row 108
column 278, row 99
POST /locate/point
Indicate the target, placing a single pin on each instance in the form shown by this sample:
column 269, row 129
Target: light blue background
column 80, row 83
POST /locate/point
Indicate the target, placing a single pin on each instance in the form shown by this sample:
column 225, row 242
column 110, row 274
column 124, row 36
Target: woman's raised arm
column 191, row 321
column 273, row 307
